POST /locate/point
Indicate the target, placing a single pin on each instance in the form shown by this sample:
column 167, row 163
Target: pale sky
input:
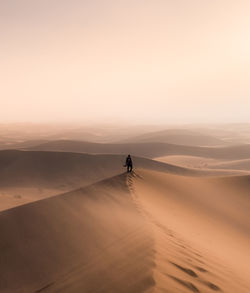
column 125, row 60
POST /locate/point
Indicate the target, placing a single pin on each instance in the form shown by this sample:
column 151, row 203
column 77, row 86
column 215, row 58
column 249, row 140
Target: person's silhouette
column 129, row 163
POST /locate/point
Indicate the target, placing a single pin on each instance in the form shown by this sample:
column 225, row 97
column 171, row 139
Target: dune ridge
column 52, row 169
column 201, row 245
column 26, row 176
column 142, row 232
column 88, row 240
column 179, row 137
column 147, row 149
column 203, row 163
column 32, row 175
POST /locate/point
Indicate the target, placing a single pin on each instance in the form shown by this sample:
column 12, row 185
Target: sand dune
column 27, row 176
column 232, row 165
column 180, row 137
column 27, row 133
column 189, row 161
column 22, row 145
column 148, row 150
column 89, row 240
column 145, row 232
column 60, row 169
column 206, row 163
column 201, row 229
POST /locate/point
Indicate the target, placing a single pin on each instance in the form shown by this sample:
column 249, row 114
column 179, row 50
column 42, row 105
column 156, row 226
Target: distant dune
column 202, row 163
column 189, row 161
column 148, row 150
column 14, row 135
column 32, row 175
column 21, row 145
column 145, row 232
column 180, row 137
column 62, row 169
column 72, row 221
column 233, row 165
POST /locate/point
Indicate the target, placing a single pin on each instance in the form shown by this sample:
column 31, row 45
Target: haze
column 124, row 146
column 140, row 61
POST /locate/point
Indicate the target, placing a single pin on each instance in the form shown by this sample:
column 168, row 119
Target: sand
column 202, row 163
column 148, row 232
column 14, row 196
column 27, row 176
column 150, row 150
column 189, row 161
column 201, row 229
column 179, row 137
column 89, row 240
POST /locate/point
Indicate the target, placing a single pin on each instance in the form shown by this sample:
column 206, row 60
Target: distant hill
column 180, row 137
column 65, row 169
column 148, row 150
column 21, row 145
column 233, row 165
column 27, row 176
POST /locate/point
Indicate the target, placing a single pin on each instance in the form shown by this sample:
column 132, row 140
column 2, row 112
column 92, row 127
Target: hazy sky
column 136, row 60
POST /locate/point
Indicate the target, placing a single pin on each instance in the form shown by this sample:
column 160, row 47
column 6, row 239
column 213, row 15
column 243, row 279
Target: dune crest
column 89, row 240
column 200, row 245
column 146, row 232
column 27, row 176
column 203, row 163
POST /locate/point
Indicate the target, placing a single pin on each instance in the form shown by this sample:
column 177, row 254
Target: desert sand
column 89, row 240
column 148, row 231
column 203, row 163
column 180, row 137
column 146, row 149
column 189, row 161
column 87, row 85
column 72, row 221
column 27, row 176
column 201, row 230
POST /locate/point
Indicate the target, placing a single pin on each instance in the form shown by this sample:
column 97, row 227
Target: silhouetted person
column 129, row 164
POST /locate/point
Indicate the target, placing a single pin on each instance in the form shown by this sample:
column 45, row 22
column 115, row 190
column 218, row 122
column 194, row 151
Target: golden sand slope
column 27, row 176
column 143, row 232
column 147, row 149
column 188, row 161
column 203, row 163
column 89, row 240
column 201, row 229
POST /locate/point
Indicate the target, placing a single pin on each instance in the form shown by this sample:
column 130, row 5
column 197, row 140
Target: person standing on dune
column 129, row 164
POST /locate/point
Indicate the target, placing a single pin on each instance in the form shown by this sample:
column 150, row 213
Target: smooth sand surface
column 27, row 176
column 147, row 231
column 147, row 149
column 88, row 240
column 203, row 163
column 232, row 165
column 201, row 229
column 14, row 196
column 180, row 137
column 188, row 161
